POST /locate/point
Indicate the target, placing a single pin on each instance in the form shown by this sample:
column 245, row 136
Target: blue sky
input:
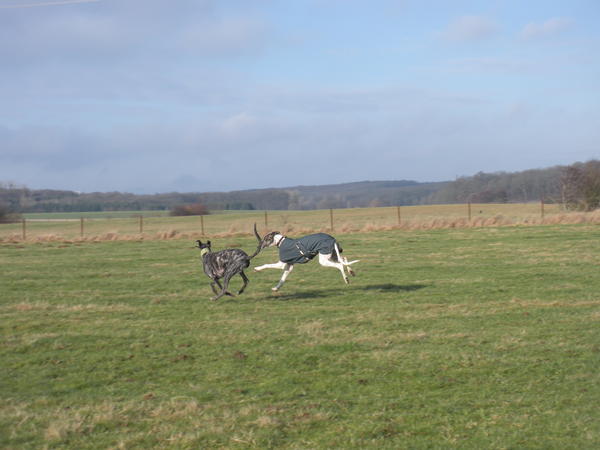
column 155, row 95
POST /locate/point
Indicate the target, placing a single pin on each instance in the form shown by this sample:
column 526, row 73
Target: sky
column 150, row 96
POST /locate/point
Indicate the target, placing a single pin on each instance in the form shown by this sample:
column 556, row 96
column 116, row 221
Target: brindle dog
column 224, row 264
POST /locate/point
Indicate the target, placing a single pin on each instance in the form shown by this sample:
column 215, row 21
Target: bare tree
column 580, row 186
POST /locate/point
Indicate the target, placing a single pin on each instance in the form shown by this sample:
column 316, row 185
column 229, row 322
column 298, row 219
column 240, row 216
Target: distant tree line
column 576, row 186
column 349, row 195
column 503, row 187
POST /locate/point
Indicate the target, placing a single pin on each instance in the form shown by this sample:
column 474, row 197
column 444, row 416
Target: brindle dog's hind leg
column 246, row 281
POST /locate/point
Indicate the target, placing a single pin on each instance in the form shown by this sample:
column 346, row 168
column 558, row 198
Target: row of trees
column 377, row 193
column 576, row 186
column 503, row 187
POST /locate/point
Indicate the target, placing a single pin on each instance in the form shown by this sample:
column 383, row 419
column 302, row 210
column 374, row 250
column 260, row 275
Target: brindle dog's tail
column 259, row 247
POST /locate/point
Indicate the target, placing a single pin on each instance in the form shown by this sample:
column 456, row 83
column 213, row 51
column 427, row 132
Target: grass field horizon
column 448, row 338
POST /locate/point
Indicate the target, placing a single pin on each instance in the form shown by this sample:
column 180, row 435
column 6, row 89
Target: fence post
column 469, row 209
column 266, row 221
column 24, row 229
column 542, row 206
column 399, row 217
column 331, row 218
column 202, row 224
column 81, row 226
column 141, row 223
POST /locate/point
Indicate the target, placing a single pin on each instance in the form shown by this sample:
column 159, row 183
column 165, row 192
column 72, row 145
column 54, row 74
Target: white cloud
column 549, row 28
column 238, row 125
column 137, row 94
column 122, row 32
column 227, row 37
column 491, row 65
column 470, row 28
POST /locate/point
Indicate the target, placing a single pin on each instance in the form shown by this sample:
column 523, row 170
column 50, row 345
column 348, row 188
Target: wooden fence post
column 141, row 223
column 469, row 209
column 399, row 217
column 266, row 221
column 24, row 229
column 331, row 218
column 542, row 206
column 202, row 225
column 81, row 226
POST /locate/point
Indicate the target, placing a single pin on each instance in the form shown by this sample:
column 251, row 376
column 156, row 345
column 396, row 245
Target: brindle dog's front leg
column 223, row 291
column 212, row 285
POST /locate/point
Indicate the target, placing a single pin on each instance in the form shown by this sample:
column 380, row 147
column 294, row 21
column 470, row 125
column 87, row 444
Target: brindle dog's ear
column 199, row 243
column 208, row 243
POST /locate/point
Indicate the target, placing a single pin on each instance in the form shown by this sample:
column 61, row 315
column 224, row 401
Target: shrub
column 7, row 216
column 195, row 209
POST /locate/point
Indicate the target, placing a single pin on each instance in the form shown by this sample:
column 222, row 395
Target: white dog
column 303, row 250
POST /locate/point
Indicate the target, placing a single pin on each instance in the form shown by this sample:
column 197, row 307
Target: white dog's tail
column 341, row 258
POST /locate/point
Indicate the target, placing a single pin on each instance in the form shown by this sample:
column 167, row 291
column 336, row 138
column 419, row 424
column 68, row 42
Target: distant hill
column 525, row 186
column 347, row 195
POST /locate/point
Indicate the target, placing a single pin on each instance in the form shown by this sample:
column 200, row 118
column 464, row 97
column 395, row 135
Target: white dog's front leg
column 286, row 271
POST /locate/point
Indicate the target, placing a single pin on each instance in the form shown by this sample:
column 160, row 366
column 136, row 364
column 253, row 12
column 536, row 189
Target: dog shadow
column 321, row 293
column 391, row 287
column 301, row 295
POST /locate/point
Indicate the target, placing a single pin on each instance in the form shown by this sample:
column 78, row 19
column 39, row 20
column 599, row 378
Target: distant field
column 112, row 225
column 481, row 338
column 94, row 215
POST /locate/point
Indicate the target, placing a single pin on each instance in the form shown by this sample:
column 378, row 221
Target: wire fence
column 146, row 226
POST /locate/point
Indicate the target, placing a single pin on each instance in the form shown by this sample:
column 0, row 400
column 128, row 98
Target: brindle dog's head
column 204, row 248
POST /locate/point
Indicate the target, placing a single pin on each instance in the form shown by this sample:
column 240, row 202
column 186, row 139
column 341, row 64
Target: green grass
column 480, row 338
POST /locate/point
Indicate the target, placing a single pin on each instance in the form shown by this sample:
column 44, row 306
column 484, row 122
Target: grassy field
column 472, row 338
column 94, row 215
column 126, row 224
